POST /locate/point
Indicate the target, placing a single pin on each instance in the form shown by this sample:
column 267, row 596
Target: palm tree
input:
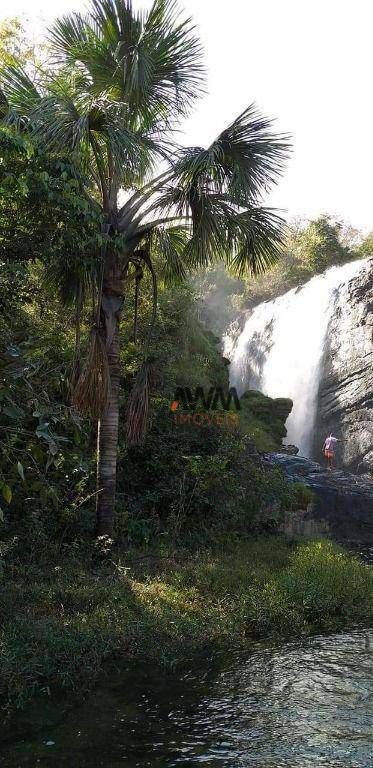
column 118, row 83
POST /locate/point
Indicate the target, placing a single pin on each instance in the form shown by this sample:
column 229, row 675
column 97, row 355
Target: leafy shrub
column 43, row 469
column 323, row 588
column 198, row 490
column 329, row 584
column 263, row 419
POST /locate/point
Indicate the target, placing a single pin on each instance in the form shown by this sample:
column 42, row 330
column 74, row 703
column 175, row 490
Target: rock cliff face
column 345, row 399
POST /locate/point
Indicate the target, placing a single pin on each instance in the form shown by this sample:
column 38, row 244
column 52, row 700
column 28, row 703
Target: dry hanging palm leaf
column 138, row 406
column 75, row 374
column 92, row 390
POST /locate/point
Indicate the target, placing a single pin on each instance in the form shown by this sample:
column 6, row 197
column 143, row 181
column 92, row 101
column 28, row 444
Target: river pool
column 300, row 704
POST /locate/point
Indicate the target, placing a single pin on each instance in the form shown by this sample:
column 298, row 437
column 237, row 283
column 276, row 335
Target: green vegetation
column 310, row 250
column 92, row 242
column 174, row 483
column 121, row 81
column 303, row 496
column 62, row 618
column 68, row 147
column 263, row 419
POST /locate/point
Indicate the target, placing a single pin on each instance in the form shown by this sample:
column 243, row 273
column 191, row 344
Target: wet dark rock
column 343, row 501
column 345, row 402
column 290, row 450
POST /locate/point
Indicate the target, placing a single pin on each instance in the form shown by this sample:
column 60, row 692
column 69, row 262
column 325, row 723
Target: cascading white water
column 280, row 349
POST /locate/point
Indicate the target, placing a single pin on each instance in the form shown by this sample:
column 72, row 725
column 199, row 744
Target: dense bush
column 322, row 587
column 197, row 485
column 184, row 481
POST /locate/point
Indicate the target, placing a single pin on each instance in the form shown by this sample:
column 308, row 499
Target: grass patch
column 60, row 623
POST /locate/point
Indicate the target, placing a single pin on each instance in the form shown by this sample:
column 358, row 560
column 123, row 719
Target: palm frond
column 118, row 23
column 150, row 63
column 68, row 36
column 208, row 243
column 76, row 40
column 174, row 73
column 255, row 241
column 169, row 242
column 19, row 95
column 72, row 276
column 91, row 130
column 243, row 162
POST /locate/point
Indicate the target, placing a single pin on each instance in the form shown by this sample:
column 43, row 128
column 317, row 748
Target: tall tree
column 119, row 84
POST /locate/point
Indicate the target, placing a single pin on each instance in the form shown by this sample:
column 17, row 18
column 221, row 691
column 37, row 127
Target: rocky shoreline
column 343, row 502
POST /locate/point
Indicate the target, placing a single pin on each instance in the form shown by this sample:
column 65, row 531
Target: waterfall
column 280, row 349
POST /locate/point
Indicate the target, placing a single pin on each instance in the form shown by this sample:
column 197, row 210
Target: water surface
column 300, row 704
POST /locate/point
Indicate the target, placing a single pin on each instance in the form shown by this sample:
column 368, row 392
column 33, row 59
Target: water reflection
column 298, row 705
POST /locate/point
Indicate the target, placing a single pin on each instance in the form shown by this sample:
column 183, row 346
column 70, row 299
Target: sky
column 308, row 65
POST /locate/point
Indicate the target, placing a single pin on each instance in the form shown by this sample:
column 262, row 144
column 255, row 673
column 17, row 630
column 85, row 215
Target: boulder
column 291, row 450
column 263, row 419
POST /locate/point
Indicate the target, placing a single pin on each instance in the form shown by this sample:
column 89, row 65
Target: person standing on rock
column 329, row 447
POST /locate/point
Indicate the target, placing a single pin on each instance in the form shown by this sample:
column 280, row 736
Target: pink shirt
column 330, row 443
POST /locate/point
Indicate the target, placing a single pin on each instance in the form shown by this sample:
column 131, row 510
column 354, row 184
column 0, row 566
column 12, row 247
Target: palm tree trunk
column 107, row 431
column 107, row 447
